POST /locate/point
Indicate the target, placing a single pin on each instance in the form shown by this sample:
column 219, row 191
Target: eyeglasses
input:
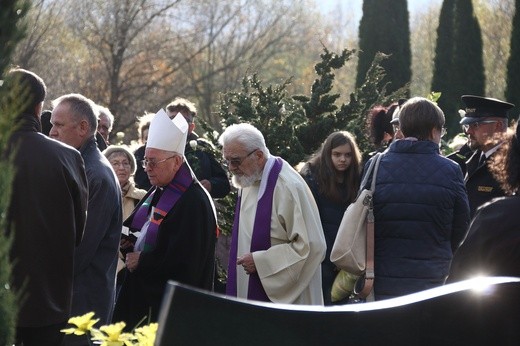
column 477, row 124
column 151, row 163
column 238, row 161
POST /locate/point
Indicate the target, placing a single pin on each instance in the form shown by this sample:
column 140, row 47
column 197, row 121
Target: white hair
column 106, row 112
column 247, row 135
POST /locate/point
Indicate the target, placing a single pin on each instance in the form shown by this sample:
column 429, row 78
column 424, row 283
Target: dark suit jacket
column 480, row 184
column 140, row 177
column 47, row 213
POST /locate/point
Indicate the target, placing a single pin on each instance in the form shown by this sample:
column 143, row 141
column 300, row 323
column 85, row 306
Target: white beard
column 242, row 181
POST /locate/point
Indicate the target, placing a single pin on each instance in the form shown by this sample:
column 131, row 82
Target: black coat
column 480, row 184
column 331, row 214
column 47, row 213
column 184, row 252
column 492, row 246
column 96, row 257
column 141, row 178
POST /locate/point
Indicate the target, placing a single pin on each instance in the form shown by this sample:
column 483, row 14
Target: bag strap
column 367, row 173
column 369, row 267
column 376, row 168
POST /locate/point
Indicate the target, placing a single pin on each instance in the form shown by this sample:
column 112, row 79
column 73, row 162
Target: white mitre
column 168, row 134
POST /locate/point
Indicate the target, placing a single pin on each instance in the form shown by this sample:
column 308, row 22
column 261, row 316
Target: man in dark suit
column 74, row 122
column 46, row 216
column 485, row 123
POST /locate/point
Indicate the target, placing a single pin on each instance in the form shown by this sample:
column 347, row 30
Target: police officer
column 484, row 121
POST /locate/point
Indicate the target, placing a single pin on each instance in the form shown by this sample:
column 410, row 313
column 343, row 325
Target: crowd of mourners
column 102, row 228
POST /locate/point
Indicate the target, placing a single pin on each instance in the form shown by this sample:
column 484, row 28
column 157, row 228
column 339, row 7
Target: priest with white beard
column 277, row 243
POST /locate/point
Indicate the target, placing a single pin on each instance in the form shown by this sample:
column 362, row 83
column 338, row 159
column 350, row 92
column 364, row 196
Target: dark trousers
column 40, row 336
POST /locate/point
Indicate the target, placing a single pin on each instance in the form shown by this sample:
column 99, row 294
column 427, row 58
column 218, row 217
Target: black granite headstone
column 455, row 314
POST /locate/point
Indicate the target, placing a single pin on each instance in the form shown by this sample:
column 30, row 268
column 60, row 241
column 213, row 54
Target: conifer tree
column 269, row 109
column 442, row 69
column 295, row 126
column 459, row 66
column 12, row 12
column 468, row 51
column 320, row 109
column 384, row 28
column 513, row 64
column 11, row 29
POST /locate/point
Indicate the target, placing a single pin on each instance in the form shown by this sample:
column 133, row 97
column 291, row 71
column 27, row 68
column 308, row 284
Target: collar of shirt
column 492, row 150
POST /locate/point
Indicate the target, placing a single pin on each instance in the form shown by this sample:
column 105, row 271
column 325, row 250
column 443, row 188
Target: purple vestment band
column 261, row 237
column 171, row 194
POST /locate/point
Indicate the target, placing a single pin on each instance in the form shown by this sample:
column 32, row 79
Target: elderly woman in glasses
column 124, row 165
column 123, row 162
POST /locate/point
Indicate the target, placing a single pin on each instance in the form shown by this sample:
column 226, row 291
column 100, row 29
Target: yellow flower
column 112, row 335
column 146, row 335
column 83, row 324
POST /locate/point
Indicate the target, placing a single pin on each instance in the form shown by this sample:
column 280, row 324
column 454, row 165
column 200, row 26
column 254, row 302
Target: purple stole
column 260, row 239
column 171, row 194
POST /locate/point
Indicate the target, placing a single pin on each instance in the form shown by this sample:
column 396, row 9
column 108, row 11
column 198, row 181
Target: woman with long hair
column 333, row 175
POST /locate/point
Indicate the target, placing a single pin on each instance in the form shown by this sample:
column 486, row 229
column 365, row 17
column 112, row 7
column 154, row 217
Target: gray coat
column 96, row 257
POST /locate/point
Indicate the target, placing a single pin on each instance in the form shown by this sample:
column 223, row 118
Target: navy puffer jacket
column 421, row 216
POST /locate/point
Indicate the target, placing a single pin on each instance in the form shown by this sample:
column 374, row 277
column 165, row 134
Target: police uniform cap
column 479, row 108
